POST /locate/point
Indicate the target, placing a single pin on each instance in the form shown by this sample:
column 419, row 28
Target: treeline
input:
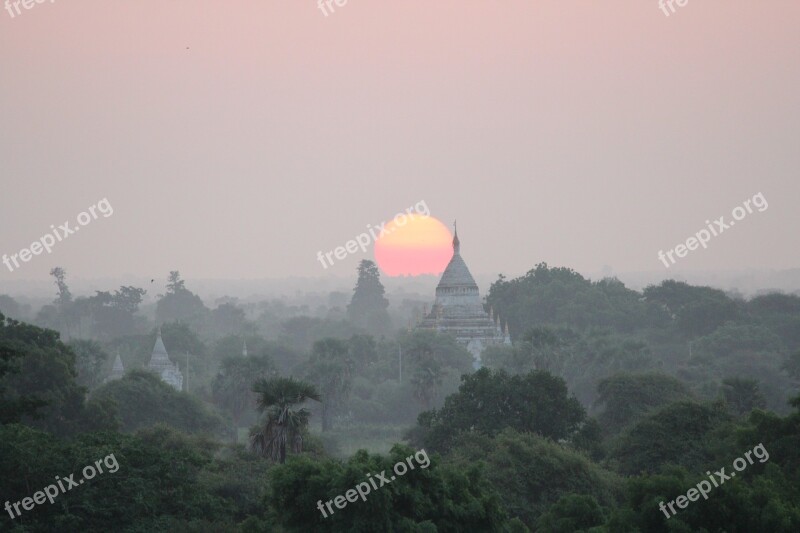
column 585, row 331
column 609, row 402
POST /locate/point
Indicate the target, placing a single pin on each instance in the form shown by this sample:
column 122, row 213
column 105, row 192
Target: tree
column 742, row 395
column 229, row 319
column 626, row 398
column 180, row 304
column 331, row 369
column 283, row 426
column 156, row 480
column 792, row 365
column 14, row 407
column 424, row 500
column 232, row 386
column 695, row 311
column 40, row 380
column 368, row 308
column 427, row 378
column 488, row 402
column 60, row 275
column 113, row 315
column 142, row 400
column 573, row 513
column 531, row 472
column 62, row 314
column 674, row 434
column 10, row 307
column 562, row 297
column 90, row 362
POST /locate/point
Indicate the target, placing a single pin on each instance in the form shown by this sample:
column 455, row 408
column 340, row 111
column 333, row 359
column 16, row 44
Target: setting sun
column 419, row 245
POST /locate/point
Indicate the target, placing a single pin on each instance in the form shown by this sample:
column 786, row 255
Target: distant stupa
column 118, row 371
column 458, row 309
column 161, row 365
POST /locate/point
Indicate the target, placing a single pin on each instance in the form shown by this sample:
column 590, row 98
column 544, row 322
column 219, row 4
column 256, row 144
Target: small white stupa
column 161, row 365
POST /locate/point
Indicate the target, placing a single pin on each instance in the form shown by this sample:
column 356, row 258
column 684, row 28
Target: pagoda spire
column 456, row 242
column 118, row 370
column 244, row 348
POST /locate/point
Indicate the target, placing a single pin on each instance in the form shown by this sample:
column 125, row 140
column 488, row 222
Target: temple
column 161, row 365
column 458, row 309
column 118, row 371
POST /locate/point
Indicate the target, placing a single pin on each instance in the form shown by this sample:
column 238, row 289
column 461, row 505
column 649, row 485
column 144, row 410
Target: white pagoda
column 458, row 309
column 161, row 365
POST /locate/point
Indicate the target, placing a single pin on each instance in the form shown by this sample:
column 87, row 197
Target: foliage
column 695, row 311
column 572, row 513
column 142, row 400
column 180, row 304
column 626, row 398
column 331, row 368
column 38, row 382
column 488, row 402
column 159, row 480
column 282, row 427
column 437, row 498
column 90, row 362
column 368, row 306
column 531, row 473
column 232, row 388
column 674, row 434
column 561, row 296
column 742, row 395
column 10, row 307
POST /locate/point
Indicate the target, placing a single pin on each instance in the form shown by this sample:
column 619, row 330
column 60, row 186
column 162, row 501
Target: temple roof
column 118, row 368
column 118, row 371
column 456, row 273
column 159, row 359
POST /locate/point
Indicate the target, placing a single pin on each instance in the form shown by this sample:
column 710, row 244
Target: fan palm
column 282, row 426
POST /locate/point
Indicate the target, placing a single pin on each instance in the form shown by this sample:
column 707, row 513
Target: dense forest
column 613, row 410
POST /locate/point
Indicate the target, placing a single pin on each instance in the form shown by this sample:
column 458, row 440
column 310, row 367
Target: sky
column 237, row 140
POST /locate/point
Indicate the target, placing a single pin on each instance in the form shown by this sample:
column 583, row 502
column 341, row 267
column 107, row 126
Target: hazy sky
column 238, row 139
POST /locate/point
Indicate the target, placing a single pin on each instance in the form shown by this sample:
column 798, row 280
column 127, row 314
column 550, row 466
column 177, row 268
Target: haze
column 236, row 140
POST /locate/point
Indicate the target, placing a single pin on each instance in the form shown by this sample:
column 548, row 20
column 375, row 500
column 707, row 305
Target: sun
column 413, row 245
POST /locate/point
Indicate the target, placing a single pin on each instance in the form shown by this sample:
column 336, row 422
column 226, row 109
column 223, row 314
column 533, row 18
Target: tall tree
column 283, row 425
column 63, row 314
column 231, row 387
column 114, row 315
column 180, row 304
column 90, row 362
column 626, row 398
column 60, row 275
column 331, row 368
column 143, row 400
column 742, row 395
column 10, row 307
column 37, row 376
column 368, row 308
column 487, row 402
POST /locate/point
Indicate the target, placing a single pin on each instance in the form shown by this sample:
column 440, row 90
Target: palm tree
column 282, row 426
column 742, row 395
